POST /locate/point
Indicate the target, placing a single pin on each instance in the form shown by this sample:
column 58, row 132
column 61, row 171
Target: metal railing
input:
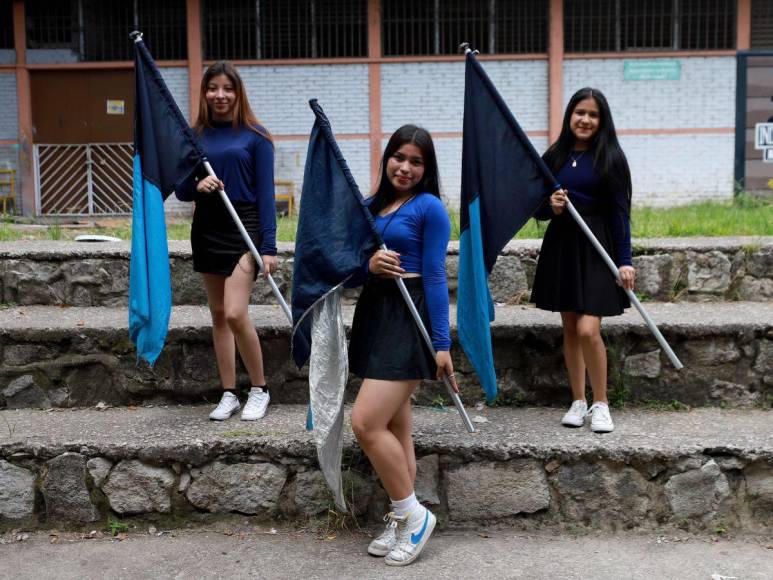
column 83, row 179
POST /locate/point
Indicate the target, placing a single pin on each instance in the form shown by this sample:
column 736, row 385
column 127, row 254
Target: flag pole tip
column 135, row 35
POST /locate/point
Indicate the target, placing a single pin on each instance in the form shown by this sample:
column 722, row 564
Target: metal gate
column 79, row 180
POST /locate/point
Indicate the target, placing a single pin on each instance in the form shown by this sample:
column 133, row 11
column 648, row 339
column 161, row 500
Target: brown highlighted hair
column 243, row 115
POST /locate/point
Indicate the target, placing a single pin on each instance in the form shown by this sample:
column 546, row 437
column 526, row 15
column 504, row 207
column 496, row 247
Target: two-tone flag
column 334, row 240
column 165, row 154
column 502, row 187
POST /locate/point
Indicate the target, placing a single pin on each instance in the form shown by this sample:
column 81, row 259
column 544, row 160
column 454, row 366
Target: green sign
column 652, row 70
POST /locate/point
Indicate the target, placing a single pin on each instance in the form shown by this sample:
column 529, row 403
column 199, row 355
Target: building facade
column 668, row 68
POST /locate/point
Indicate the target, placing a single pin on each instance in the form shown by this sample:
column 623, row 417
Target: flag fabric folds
column 165, row 154
column 334, row 239
column 502, row 187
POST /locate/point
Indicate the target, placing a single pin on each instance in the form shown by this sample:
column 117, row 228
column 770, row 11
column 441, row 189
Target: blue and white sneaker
column 413, row 531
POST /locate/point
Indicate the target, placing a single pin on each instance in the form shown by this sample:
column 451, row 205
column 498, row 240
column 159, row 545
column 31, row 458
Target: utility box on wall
column 754, row 122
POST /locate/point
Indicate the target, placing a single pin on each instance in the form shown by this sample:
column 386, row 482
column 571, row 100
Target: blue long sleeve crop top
column 244, row 161
column 419, row 232
column 585, row 188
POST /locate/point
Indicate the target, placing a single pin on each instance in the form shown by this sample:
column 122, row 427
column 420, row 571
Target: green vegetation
column 745, row 216
column 115, row 527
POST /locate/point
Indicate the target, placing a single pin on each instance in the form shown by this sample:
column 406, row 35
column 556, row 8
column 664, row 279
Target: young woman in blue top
column 385, row 348
column 242, row 156
column 571, row 277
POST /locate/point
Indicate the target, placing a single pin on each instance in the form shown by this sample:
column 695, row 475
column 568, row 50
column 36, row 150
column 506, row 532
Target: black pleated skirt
column 571, row 276
column 385, row 342
column 216, row 242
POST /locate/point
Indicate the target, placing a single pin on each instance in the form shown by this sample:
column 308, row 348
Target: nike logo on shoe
column 416, row 538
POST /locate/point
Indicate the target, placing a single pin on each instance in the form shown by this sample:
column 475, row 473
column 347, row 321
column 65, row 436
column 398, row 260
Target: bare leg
column 595, row 354
column 573, row 355
column 222, row 337
column 377, row 405
column 402, row 428
column 238, row 287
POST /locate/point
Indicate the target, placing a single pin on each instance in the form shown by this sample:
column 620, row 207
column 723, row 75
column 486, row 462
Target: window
column 762, row 25
column 6, row 24
column 280, row 29
column 643, row 25
column 97, row 31
column 490, row 26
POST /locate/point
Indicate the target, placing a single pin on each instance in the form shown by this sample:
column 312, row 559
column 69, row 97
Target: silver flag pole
column 631, row 296
column 250, row 245
column 428, row 341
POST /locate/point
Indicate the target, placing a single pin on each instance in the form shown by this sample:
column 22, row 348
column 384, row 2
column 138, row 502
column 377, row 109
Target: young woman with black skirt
column 241, row 153
column 571, row 277
column 386, row 348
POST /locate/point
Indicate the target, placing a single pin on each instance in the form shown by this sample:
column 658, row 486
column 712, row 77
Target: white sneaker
column 601, row 420
column 575, row 416
column 382, row 545
column 256, row 405
column 225, row 409
column 413, row 531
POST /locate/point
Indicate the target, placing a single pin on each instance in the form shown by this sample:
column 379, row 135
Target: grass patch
column 747, row 216
column 115, row 527
column 673, row 405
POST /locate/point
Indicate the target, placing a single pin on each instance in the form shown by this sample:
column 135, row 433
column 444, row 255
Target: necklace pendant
column 574, row 163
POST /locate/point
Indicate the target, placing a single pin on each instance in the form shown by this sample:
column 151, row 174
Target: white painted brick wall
column 9, row 112
column 51, row 55
column 279, row 96
column 176, row 78
column 290, row 162
column 679, row 169
column 704, row 96
column 432, row 94
column 7, row 56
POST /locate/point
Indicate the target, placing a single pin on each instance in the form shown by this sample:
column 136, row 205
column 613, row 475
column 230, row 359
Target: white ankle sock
column 403, row 507
column 600, row 404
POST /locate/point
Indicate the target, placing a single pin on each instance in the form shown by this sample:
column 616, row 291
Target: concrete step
column 703, row 469
column 78, row 357
column 682, row 269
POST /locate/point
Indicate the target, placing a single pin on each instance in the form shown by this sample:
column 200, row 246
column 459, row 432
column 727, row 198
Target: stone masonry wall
column 703, row 490
column 693, row 270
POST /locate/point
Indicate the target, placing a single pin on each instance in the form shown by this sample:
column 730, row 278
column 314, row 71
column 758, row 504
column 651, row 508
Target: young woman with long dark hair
column 571, row 277
column 241, row 153
column 386, row 348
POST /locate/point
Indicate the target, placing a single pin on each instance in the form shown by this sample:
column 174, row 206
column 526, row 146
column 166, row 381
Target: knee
column 588, row 333
column 235, row 318
column 362, row 426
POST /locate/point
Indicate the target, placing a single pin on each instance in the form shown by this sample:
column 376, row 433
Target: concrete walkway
column 246, row 551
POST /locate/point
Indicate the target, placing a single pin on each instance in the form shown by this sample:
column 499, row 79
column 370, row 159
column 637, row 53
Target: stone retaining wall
column 710, row 490
column 725, row 364
column 706, row 269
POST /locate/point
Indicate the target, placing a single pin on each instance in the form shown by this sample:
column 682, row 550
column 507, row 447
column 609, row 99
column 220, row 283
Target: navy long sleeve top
column 585, row 188
column 419, row 232
column 244, row 161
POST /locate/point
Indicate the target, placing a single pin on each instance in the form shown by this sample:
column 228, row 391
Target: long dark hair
column 608, row 158
column 243, row 115
column 430, row 182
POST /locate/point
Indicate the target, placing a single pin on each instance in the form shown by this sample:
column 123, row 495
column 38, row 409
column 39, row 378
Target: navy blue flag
column 165, row 154
column 335, row 235
column 502, row 187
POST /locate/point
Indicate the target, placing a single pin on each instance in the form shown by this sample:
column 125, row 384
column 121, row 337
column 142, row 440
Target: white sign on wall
column 763, row 139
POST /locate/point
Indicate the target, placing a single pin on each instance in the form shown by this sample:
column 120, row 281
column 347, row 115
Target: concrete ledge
column 695, row 469
column 684, row 269
column 74, row 357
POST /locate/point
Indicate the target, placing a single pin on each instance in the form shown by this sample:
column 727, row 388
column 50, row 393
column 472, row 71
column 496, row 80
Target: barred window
column 279, row 29
column 762, row 25
column 98, row 31
column 641, row 25
column 6, row 24
column 413, row 28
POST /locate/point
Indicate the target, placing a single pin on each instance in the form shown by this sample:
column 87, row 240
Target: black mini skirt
column 385, row 342
column 571, row 276
column 216, row 242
